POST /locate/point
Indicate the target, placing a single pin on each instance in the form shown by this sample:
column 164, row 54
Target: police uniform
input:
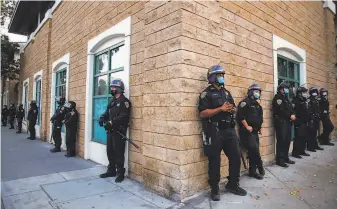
column 314, row 120
column 282, row 111
column 251, row 111
column 20, row 114
column 11, row 115
column 328, row 127
column 57, row 119
column 32, row 118
column 116, row 118
column 71, row 123
column 4, row 115
column 301, row 124
column 219, row 133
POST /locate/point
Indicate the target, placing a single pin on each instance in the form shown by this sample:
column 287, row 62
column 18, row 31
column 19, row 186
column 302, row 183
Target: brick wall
column 172, row 46
column 34, row 59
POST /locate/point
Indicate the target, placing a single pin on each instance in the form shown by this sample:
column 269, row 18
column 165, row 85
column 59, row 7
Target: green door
column 288, row 70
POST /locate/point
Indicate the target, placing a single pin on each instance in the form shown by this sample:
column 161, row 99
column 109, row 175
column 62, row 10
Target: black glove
column 101, row 121
column 108, row 126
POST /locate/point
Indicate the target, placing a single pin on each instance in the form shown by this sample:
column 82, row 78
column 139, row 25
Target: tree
column 7, row 9
column 10, row 68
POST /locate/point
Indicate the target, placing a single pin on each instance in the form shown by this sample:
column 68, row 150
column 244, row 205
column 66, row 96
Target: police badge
column 279, row 101
column 243, row 104
column 127, row 104
column 203, row 94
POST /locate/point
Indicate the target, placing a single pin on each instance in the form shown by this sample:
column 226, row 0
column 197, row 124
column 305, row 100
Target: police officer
column 116, row 118
column 4, row 115
column 11, row 115
column 32, row 117
column 250, row 119
column 325, row 118
column 301, row 122
column 71, row 123
column 217, row 109
column 20, row 114
column 57, row 119
column 283, row 114
column 314, row 120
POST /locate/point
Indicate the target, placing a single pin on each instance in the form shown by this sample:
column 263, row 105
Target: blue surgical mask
column 221, row 80
column 256, row 95
column 304, row 95
column 286, row 91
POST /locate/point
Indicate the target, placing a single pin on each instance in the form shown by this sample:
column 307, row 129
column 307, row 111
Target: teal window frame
column 26, row 100
column 38, row 99
column 107, row 94
column 291, row 80
column 59, row 85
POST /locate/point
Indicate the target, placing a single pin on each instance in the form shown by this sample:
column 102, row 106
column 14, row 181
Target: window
column 60, row 87
column 38, row 99
column 26, row 100
column 106, row 63
column 288, row 70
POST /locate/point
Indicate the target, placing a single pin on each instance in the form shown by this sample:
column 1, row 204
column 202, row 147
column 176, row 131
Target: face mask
column 113, row 92
column 304, row 95
column 286, row 91
column 221, row 80
column 256, row 95
column 314, row 94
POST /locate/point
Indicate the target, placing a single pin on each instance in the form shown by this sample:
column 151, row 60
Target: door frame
column 37, row 77
column 121, row 32
column 59, row 65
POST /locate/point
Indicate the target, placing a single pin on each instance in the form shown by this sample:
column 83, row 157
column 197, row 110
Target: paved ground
column 30, row 182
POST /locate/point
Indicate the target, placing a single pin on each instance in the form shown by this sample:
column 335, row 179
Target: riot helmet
column 116, row 86
column 251, row 91
column 212, row 75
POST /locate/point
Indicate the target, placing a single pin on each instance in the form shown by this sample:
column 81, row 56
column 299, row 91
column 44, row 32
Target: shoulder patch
column 72, row 113
column 62, row 108
column 243, row 104
column 127, row 104
column 203, row 94
column 279, row 101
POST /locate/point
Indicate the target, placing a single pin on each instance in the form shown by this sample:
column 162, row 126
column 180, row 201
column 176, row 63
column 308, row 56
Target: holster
column 206, row 136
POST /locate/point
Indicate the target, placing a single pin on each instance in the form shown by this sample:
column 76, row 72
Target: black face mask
column 113, row 92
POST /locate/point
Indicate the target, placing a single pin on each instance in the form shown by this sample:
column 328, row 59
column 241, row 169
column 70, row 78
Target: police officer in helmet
column 57, row 119
column 301, row 122
column 32, row 117
column 4, row 115
column 314, row 120
column 116, row 118
column 217, row 109
column 20, row 114
column 12, row 113
column 325, row 118
column 250, row 119
column 284, row 115
column 71, row 123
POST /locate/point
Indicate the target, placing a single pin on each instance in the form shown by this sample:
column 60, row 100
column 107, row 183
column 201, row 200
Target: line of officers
column 9, row 115
column 219, row 115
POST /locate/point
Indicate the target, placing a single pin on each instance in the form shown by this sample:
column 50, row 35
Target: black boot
column 32, row 138
column 111, row 172
column 28, row 137
column 295, row 155
column 252, row 173
column 56, row 149
column 289, row 161
column 69, row 154
column 261, row 170
column 305, row 154
column 311, row 150
column 235, row 189
column 282, row 164
column 319, row 148
column 215, row 196
column 120, row 175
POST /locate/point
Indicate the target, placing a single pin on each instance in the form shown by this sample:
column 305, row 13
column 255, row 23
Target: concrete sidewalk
column 29, row 181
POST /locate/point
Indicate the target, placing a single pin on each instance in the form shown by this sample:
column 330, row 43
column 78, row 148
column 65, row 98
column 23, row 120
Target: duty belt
column 224, row 124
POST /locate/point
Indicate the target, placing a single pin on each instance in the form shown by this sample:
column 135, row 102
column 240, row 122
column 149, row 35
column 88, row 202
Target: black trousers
column 11, row 121
column 71, row 140
column 328, row 127
column 251, row 142
column 312, row 135
column 283, row 137
column 19, row 125
column 115, row 148
column 31, row 128
column 301, row 139
column 57, row 136
column 4, row 120
column 227, row 141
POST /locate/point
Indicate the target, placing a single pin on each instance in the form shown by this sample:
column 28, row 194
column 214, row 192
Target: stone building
column 162, row 50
